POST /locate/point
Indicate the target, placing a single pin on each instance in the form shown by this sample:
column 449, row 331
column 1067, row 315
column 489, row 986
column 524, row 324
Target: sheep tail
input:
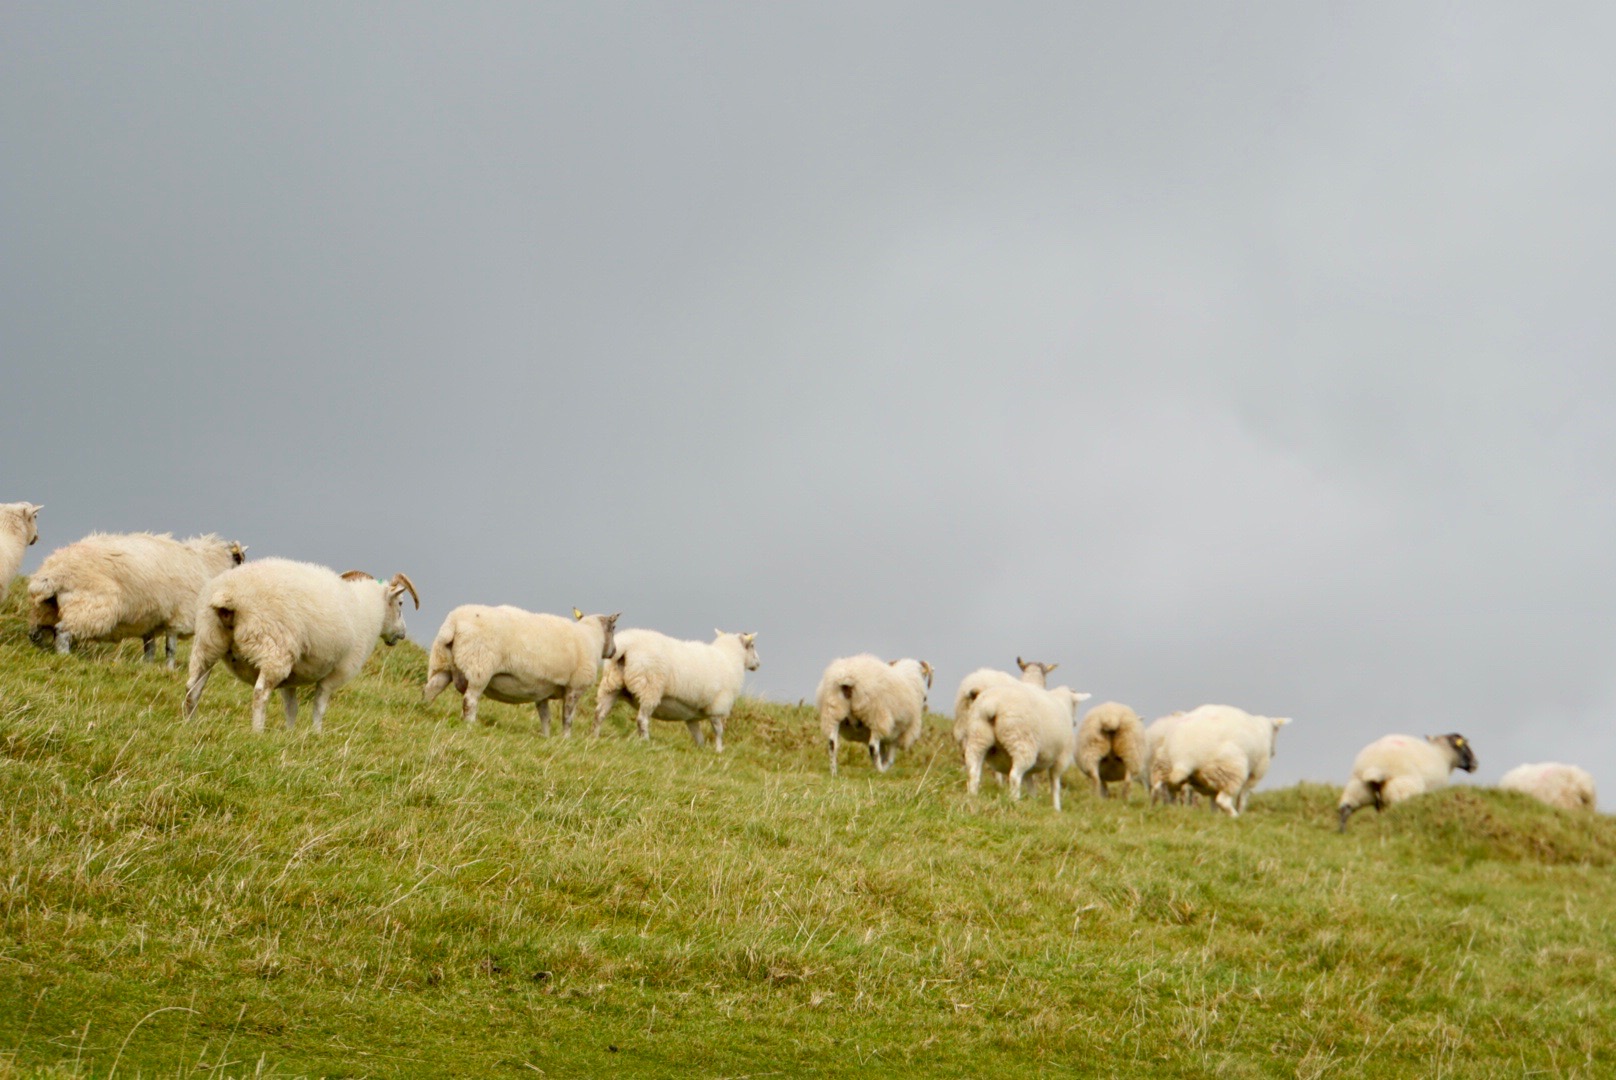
column 1375, row 780
column 847, row 689
column 442, row 658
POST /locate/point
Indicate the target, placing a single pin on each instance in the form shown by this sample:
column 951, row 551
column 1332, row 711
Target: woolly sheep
column 111, row 586
column 1156, row 764
column 517, row 656
column 283, row 624
column 1019, row 729
column 1220, row 751
column 1111, row 747
column 1033, row 673
column 19, row 529
column 1399, row 767
column 1564, row 786
column 670, row 679
column 866, row 699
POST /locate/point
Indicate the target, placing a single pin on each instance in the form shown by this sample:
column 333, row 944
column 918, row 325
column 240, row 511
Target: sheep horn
column 355, row 575
column 400, row 579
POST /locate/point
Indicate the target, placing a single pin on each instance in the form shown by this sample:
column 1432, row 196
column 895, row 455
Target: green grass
column 406, row 897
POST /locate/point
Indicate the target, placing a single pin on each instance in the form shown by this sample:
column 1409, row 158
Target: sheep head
column 608, row 645
column 30, row 520
column 238, row 553
column 750, row 642
column 1459, row 751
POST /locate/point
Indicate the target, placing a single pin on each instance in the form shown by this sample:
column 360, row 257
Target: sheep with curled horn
column 280, row 624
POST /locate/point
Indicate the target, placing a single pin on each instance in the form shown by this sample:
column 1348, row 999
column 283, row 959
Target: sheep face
column 1459, row 746
column 30, row 518
column 608, row 647
column 1034, row 665
column 750, row 641
column 238, row 553
column 393, row 621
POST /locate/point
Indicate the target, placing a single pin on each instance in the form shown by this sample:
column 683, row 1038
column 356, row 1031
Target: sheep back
column 1566, row 787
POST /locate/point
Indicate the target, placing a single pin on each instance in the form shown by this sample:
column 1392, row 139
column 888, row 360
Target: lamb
column 283, row 624
column 19, row 530
column 107, row 587
column 1399, row 767
column 1564, row 786
column 517, row 656
column 1111, row 747
column 1220, row 751
column 1018, row 729
column 669, row 679
column 1033, row 673
column 866, row 699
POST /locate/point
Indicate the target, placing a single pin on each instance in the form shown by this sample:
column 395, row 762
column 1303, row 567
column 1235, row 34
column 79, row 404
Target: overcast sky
column 1254, row 353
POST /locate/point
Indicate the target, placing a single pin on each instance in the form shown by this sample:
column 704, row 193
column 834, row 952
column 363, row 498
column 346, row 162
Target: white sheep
column 1018, row 729
column 19, row 529
column 1111, row 747
column 111, row 586
column 1156, row 764
column 1564, row 786
column 1398, row 767
column 1220, row 751
column 866, row 699
column 670, row 679
column 517, row 656
column 1033, row 673
column 283, row 624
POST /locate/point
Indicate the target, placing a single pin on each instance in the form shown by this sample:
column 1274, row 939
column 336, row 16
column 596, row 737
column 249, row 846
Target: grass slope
column 406, row 897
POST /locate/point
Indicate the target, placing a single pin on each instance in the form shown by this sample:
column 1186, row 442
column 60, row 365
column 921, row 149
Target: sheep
column 1155, row 740
column 111, row 586
column 670, row 679
column 1220, row 751
column 1398, row 767
column 19, row 530
column 1111, row 747
column 1033, row 673
column 279, row 623
column 517, row 656
column 866, row 699
column 1017, row 728
column 1564, row 786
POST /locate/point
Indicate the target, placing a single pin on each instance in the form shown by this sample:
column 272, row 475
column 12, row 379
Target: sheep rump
column 1018, row 729
column 1111, row 747
column 1220, row 751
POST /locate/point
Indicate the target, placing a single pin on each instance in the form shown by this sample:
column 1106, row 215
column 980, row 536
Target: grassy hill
column 404, row 897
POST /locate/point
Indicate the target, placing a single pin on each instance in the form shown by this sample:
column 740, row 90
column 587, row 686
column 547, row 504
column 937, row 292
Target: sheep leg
column 835, row 745
column 64, row 642
column 148, row 649
column 569, row 706
column 468, row 704
column 193, row 692
column 973, row 770
column 696, row 734
column 890, row 751
column 604, row 700
column 171, row 645
column 322, row 698
column 260, row 700
column 874, row 747
column 1055, row 787
column 289, row 704
column 436, row 684
column 642, row 718
column 1225, row 802
column 1018, row 769
column 718, row 733
column 543, row 708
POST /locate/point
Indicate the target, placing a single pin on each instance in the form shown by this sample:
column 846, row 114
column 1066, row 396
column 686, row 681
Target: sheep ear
column 748, row 638
column 577, row 614
column 34, row 510
column 1050, row 667
column 1281, row 721
column 611, row 620
column 1084, row 697
column 717, row 632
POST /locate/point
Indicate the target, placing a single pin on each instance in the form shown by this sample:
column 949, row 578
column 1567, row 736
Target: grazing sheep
column 1111, row 747
column 865, row 699
column 1220, row 751
column 279, row 623
column 108, row 587
column 19, row 529
column 1399, row 767
column 1564, row 786
column 517, row 656
column 1155, row 739
column 1033, row 673
column 1019, row 729
column 669, row 679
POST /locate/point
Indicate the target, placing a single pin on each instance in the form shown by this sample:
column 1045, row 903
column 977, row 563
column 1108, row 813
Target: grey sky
column 1248, row 353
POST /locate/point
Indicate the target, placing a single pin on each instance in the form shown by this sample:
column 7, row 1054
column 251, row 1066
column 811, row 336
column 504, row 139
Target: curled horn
column 401, row 579
column 355, row 575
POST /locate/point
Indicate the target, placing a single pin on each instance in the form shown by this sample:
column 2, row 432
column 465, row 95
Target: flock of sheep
column 280, row 625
